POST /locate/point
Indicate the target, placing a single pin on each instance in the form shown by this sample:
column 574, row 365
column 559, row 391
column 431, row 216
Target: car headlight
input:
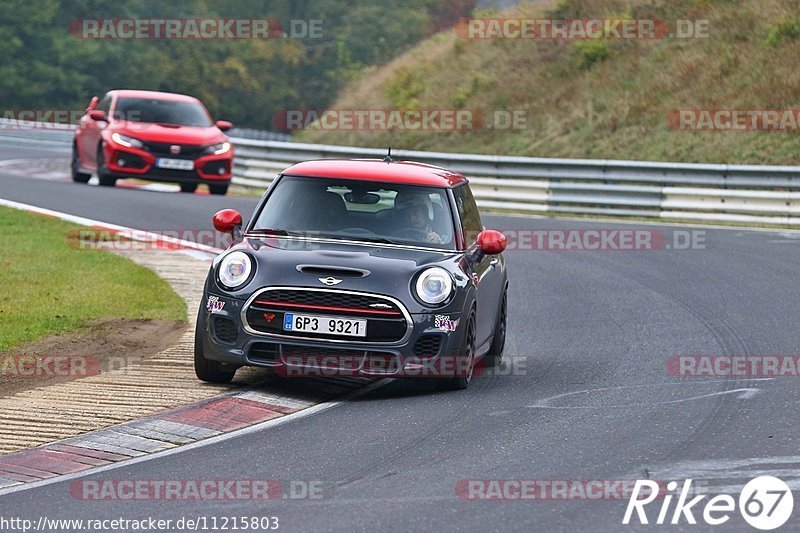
column 434, row 285
column 218, row 149
column 234, row 270
column 124, row 140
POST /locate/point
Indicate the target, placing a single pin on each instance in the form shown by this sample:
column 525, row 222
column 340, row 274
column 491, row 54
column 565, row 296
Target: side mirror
column 93, row 103
column 224, row 125
column 97, row 115
column 228, row 221
column 491, row 242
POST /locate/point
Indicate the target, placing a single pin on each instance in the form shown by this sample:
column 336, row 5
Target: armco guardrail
column 707, row 192
column 703, row 192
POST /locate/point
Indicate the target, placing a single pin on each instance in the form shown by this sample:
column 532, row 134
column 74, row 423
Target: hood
column 158, row 133
column 368, row 268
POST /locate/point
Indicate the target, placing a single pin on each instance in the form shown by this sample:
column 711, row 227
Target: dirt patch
column 103, row 345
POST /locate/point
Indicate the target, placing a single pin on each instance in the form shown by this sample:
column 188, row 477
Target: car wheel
column 205, row 370
column 103, row 176
column 75, row 167
column 467, row 350
column 495, row 355
column 218, row 189
column 188, row 187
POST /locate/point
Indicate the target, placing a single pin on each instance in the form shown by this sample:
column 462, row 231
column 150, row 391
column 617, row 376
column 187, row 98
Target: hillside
column 598, row 99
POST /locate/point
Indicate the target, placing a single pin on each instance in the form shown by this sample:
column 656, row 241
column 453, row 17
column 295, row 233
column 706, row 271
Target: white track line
column 130, row 233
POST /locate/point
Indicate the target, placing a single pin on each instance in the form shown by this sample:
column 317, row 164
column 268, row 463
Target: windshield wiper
column 274, row 231
column 378, row 240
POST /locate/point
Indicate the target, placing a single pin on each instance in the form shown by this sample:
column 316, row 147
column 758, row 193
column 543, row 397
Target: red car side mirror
column 97, row 114
column 492, row 242
column 224, row 125
column 227, row 221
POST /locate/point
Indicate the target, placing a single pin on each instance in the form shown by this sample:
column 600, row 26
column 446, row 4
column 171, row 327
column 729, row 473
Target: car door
column 485, row 272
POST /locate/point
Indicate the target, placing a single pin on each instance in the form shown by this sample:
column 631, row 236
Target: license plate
column 175, row 164
column 328, row 325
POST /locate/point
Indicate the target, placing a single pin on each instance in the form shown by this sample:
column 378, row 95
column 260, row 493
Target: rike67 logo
column 765, row 503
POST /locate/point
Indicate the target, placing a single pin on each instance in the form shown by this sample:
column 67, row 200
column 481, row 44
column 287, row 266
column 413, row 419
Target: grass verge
column 49, row 287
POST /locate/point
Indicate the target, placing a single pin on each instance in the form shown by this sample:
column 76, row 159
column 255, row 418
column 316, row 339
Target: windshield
column 162, row 112
column 359, row 210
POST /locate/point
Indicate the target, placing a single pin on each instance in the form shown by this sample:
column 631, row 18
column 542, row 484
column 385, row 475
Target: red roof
column 408, row 172
column 129, row 93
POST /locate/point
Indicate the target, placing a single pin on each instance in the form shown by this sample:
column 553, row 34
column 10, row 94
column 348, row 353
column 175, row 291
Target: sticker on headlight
column 214, row 305
column 445, row 323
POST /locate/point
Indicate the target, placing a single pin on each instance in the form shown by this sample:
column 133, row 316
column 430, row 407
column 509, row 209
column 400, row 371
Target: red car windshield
column 162, row 112
column 359, row 210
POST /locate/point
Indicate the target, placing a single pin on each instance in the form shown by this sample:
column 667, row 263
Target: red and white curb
column 179, row 429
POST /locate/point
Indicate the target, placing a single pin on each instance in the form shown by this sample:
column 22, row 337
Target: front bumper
column 133, row 162
column 430, row 349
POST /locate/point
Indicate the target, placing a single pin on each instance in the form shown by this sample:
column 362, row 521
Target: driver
column 414, row 211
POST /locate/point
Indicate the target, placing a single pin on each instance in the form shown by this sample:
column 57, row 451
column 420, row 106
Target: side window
column 104, row 104
column 468, row 213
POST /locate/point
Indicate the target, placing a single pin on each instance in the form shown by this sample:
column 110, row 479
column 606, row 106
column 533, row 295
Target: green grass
column 48, row 286
column 602, row 99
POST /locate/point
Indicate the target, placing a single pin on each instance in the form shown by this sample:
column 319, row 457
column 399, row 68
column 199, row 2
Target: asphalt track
column 591, row 399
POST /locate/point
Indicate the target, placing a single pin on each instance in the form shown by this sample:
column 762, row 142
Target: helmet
column 407, row 200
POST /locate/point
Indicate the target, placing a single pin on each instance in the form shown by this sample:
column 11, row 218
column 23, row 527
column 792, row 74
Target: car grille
column 347, row 360
column 188, row 151
column 225, row 330
column 386, row 321
column 172, row 174
column 322, row 357
column 428, row 345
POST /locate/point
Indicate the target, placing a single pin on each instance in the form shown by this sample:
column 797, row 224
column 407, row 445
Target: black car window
column 104, row 104
column 153, row 110
column 468, row 213
column 359, row 210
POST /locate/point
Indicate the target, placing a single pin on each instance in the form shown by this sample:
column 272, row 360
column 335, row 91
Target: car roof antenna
column 388, row 158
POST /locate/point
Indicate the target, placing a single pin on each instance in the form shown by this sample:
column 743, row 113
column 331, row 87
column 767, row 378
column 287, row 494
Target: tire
column 75, row 167
column 495, row 354
column 188, row 187
column 218, row 189
column 103, row 176
column 205, row 370
column 468, row 349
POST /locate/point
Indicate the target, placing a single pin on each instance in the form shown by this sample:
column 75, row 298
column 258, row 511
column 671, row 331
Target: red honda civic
column 154, row 136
